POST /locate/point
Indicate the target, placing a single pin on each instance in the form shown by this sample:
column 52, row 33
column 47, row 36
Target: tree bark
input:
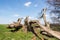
column 47, row 27
column 50, row 31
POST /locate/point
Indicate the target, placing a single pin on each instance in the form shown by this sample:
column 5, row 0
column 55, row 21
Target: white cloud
column 27, row 4
column 31, row 18
column 47, row 15
column 16, row 15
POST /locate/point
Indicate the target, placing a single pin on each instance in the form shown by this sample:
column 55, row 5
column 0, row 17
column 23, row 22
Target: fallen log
column 47, row 26
column 50, row 31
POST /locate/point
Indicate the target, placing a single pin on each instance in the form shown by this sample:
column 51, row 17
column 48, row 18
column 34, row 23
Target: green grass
column 5, row 34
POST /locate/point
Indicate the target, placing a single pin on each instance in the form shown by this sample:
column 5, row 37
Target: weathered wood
column 47, row 27
column 50, row 31
column 26, row 24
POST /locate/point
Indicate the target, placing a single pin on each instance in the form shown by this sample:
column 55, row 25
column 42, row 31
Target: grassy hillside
column 5, row 34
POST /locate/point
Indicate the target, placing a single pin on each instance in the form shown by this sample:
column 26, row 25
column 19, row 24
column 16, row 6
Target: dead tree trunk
column 44, row 18
column 47, row 27
column 26, row 23
column 50, row 31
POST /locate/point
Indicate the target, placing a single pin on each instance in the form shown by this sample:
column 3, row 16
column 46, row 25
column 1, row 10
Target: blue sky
column 11, row 10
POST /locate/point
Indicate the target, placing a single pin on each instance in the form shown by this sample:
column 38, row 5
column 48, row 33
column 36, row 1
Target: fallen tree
column 47, row 28
column 50, row 31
